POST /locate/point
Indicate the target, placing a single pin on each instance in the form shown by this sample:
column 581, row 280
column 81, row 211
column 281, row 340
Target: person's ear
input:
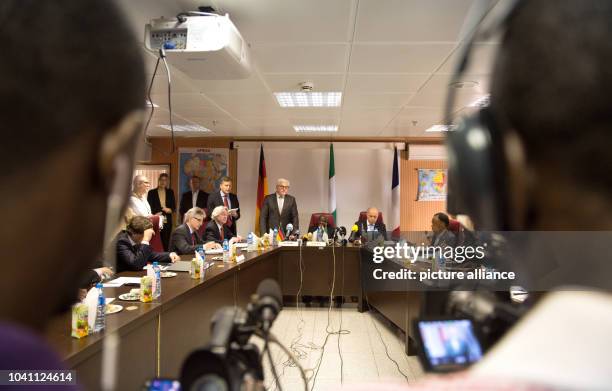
column 520, row 181
column 116, row 154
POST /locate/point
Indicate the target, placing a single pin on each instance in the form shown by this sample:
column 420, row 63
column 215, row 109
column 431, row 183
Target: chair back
column 314, row 219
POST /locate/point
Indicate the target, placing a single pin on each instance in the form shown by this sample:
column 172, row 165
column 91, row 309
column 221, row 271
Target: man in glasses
column 279, row 209
column 185, row 238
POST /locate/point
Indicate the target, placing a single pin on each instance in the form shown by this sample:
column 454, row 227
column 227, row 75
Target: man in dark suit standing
column 185, row 238
column 279, row 209
column 369, row 229
column 162, row 200
column 224, row 198
column 133, row 249
column 193, row 198
column 217, row 230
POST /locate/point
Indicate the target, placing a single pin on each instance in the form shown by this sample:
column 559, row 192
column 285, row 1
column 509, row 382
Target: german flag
column 262, row 189
column 281, row 236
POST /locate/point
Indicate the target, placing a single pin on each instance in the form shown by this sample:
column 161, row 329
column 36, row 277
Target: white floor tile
column 363, row 350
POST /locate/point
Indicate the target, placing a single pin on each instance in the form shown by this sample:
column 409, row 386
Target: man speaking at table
column 279, row 209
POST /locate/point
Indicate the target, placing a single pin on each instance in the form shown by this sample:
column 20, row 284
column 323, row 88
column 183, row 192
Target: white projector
column 204, row 47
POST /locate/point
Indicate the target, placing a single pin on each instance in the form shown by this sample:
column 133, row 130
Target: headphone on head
column 477, row 150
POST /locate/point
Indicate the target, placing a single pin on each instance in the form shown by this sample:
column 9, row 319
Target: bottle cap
column 155, row 263
column 99, row 285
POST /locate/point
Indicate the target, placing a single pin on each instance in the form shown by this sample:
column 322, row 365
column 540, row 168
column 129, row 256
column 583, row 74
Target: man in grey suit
column 279, row 209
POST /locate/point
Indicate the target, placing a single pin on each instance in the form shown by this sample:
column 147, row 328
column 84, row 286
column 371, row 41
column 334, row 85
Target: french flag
column 394, row 221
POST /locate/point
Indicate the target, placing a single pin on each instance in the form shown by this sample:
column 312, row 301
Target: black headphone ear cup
column 476, row 171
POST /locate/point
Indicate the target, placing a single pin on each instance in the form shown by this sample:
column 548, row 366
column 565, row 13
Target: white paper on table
column 91, row 301
column 117, row 282
column 215, row 251
column 241, row 244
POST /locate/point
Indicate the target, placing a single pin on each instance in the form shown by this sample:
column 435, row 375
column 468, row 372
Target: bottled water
column 250, row 241
column 157, row 271
column 100, row 323
column 226, row 252
column 274, row 237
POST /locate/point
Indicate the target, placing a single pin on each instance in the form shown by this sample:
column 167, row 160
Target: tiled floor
column 363, row 350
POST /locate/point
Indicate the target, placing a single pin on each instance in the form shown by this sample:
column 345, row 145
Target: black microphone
column 222, row 328
column 269, row 303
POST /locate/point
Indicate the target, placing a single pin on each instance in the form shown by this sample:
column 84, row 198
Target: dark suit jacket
column 330, row 231
column 187, row 202
column 270, row 217
column 153, row 198
column 135, row 257
column 212, row 233
column 181, row 240
column 362, row 228
column 214, row 200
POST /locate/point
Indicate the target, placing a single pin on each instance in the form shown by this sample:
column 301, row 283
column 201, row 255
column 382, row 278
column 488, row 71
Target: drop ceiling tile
column 359, row 101
column 301, row 58
column 398, row 58
column 322, row 82
column 384, row 83
column 411, row 20
column 252, row 85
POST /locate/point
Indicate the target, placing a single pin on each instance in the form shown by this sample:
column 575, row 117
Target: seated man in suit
column 185, row 238
column 369, row 229
column 441, row 235
column 321, row 232
column 223, row 197
column 193, row 198
column 279, row 209
column 133, row 249
column 217, row 230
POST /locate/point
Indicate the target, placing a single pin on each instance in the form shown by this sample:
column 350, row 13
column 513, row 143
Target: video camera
column 229, row 362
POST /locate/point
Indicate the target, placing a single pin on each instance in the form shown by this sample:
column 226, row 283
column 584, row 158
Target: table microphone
column 288, row 230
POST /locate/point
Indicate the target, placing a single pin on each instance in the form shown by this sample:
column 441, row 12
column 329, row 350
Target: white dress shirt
column 140, row 206
column 194, row 198
column 281, row 201
column 223, row 197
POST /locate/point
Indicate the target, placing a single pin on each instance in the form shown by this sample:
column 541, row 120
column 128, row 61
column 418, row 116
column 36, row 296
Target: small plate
column 113, row 308
column 168, row 274
column 129, row 297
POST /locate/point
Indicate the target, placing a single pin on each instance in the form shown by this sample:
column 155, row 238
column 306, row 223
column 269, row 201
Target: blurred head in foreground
column 73, row 101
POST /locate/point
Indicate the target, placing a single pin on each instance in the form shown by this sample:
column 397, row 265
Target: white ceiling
column 392, row 59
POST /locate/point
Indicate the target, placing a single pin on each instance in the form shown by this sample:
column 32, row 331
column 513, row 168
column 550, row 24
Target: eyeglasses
column 283, row 187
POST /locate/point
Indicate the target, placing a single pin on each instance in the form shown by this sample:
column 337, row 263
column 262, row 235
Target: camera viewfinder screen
column 449, row 344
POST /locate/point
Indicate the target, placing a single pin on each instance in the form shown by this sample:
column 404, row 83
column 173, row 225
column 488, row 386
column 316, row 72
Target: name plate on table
column 316, row 244
column 288, row 243
column 239, row 258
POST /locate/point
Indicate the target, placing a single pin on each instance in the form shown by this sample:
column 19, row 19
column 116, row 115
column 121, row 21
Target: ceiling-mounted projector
column 207, row 47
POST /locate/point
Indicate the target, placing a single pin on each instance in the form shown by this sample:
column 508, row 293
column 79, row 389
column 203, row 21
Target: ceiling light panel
column 315, row 128
column 308, row 99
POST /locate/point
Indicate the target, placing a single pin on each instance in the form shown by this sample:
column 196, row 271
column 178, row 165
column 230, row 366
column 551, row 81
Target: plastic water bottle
column 157, row 271
column 274, row 237
column 441, row 262
column 226, row 252
column 250, row 241
column 100, row 310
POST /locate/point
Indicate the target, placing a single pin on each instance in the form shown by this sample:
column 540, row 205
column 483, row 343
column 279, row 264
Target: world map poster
column 210, row 164
column 432, row 184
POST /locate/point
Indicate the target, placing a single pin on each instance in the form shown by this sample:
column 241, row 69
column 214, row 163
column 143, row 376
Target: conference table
column 155, row 338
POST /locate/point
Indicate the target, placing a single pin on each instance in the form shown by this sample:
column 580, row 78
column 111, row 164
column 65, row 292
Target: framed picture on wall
column 210, row 164
column 432, row 184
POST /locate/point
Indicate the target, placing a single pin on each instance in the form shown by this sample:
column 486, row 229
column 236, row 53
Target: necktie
column 221, row 233
column 193, row 238
column 226, row 204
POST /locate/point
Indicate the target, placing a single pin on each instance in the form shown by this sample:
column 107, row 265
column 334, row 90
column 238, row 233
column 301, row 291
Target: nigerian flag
column 332, row 184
